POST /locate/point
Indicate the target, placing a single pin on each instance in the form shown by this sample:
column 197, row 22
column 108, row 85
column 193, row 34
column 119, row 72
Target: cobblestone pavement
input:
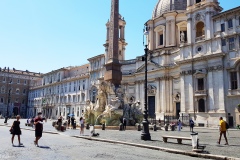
column 62, row 147
column 207, row 136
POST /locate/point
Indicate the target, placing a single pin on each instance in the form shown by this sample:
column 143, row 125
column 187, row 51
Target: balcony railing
column 201, row 93
column 233, row 92
column 201, row 38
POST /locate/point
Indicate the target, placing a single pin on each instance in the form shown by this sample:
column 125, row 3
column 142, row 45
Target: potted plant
column 238, row 107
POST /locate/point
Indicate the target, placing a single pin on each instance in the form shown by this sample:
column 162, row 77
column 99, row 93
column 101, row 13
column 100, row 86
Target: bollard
column 120, row 127
column 87, row 126
column 154, row 127
column 139, row 127
column 103, row 126
column 166, row 127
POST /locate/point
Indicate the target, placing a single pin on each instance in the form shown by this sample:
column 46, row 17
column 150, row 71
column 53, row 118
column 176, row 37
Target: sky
column 45, row 35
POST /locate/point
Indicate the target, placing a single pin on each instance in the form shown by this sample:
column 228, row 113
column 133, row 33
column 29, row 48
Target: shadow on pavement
column 18, row 146
column 44, row 147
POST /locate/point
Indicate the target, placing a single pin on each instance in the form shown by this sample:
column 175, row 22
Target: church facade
column 193, row 67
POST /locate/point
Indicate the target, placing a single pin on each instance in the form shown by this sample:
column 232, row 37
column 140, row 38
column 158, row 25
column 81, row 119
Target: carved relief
column 151, row 89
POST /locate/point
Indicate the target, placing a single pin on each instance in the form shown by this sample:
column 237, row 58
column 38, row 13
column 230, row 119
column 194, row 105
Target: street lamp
column 145, row 132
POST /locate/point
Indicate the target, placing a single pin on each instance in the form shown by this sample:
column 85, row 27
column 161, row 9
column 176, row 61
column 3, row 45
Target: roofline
column 226, row 12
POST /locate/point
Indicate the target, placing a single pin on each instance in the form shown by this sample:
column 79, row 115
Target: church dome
column 165, row 6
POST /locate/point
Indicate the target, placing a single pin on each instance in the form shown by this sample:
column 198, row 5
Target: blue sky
column 44, row 35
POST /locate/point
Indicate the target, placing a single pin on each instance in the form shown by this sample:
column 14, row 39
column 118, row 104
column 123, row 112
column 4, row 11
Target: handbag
column 11, row 130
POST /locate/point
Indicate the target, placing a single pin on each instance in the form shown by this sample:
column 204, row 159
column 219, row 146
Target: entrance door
column 230, row 121
column 15, row 111
column 178, row 110
column 151, row 106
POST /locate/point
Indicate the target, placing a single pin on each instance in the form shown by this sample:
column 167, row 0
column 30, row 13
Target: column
column 208, row 25
column 183, row 102
column 234, row 24
column 188, row 3
column 221, row 90
column 226, row 26
column 173, row 32
column 137, row 90
column 123, row 32
column 189, row 30
column 158, row 109
column 171, row 95
column 163, row 96
column 167, row 33
column 210, row 91
column 141, row 89
column 191, row 93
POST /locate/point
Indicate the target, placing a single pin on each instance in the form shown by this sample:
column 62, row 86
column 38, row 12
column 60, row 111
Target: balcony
column 234, row 92
column 201, row 38
column 201, row 93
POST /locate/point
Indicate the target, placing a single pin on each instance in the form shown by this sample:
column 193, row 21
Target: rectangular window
column 231, row 43
column 1, row 100
column 200, row 84
column 239, row 41
column 233, row 80
column 223, row 42
column 18, row 81
column 222, row 27
column 230, row 24
column 161, row 39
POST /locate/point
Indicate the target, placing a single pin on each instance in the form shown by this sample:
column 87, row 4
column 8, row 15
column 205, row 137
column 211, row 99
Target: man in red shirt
column 38, row 122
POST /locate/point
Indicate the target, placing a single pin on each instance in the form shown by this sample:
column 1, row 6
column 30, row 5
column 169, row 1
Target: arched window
column 200, row 31
column 17, row 91
column 83, row 97
column 201, row 105
column 3, row 89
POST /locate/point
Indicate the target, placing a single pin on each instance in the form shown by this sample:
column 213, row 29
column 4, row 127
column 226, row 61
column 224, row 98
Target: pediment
column 150, row 66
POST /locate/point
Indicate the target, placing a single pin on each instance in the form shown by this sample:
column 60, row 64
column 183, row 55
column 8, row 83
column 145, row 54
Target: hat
column 39, row 113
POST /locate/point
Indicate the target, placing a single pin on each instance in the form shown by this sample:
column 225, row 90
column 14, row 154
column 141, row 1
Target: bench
column 179, row 139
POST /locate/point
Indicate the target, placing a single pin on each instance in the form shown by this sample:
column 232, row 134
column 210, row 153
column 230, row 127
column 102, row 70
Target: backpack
column 227, row 125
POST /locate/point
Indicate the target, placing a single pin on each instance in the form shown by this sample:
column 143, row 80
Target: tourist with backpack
column 223, row 126
column 191, row 124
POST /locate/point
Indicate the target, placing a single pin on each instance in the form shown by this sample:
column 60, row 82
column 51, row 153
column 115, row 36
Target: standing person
column 222, row 130
column 38, row 122
column 124, row 124
column 191, row 124
column 72, row 122
column 81, row 126
column 179, row 125
column 68, row 122
column 16, row 130
column 59, row 123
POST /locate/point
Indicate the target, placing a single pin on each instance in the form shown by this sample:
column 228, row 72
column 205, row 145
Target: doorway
column 151, row 106
column 178, row 110
column 230, row 121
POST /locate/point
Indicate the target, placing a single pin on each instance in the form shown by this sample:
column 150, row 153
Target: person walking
column 15, row 130
column 179, row 125
column 124, row 124
column 68, row 121
column 222, row 130
column 38, row 122
column 81, row 126
column 72, row 122
column 191, row 124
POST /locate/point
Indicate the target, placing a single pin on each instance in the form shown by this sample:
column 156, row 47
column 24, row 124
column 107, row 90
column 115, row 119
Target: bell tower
column 113, row 72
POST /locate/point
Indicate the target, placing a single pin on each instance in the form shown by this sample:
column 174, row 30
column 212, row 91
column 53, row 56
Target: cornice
column 204, row 57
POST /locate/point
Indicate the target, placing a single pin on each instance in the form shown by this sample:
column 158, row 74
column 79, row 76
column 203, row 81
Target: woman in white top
column 81, row 126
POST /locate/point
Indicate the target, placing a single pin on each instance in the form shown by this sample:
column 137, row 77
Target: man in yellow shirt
column 222, row 129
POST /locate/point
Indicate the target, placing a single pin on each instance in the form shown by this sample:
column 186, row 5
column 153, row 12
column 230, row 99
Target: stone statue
column 182, row 37
column 89, row 112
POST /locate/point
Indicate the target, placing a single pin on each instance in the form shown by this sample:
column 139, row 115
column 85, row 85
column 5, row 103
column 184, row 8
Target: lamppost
column 9, row 98
column 145, row 132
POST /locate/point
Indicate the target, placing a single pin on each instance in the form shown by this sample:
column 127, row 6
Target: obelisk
column 113, row 72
